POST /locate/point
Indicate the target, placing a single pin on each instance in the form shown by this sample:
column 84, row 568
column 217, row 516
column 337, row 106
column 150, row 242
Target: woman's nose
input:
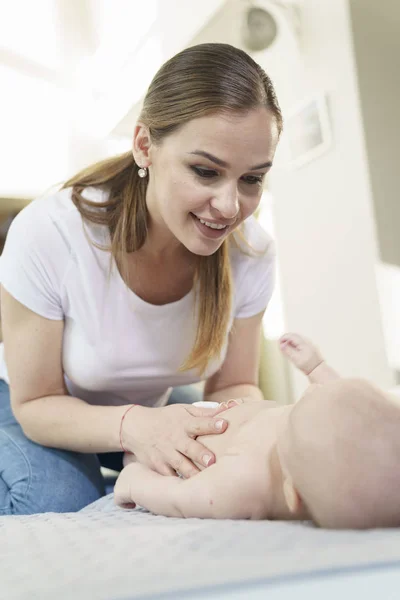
column 226, row 202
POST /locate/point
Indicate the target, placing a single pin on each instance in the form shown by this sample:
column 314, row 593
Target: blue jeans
column 36, row 479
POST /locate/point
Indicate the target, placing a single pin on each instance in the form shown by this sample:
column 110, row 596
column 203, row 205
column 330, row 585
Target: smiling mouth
column 209, row 229
column 212, row 225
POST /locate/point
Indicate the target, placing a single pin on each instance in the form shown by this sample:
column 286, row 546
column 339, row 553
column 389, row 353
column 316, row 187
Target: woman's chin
column 203, row 249
column 198, row 243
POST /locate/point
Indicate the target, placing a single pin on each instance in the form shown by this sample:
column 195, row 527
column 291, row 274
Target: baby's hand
column 301, row 352
column 122, row 488
column 232, row 403
column 238, row 401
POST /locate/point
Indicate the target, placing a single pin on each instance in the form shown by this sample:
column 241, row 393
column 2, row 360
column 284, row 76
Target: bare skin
column 180, row 168
column 327, row 458
column 237, row 486
column 246, row 481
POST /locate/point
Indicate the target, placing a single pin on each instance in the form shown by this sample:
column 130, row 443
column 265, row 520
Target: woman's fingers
column 179, row 461
column 161, row 463
column 197, row 411
column 197, row 453
column 205, row 426
column 182, row 463
column 169, row 445
column 164, row 469
column 202, row 424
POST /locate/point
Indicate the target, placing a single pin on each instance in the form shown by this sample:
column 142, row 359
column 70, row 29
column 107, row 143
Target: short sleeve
column 256, row 285
column 33, row 262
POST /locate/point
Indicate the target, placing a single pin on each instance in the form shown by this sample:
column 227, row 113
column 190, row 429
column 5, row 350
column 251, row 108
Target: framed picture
column 307, row 132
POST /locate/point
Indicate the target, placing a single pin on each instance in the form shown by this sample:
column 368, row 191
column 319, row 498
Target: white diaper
column 203, row 404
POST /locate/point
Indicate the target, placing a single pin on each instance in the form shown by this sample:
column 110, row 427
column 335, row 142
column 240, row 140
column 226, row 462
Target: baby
column 332, row 457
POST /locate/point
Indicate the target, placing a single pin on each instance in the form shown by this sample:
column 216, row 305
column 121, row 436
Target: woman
column 144, row 272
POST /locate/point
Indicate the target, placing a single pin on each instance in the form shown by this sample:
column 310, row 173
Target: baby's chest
column 244, row 433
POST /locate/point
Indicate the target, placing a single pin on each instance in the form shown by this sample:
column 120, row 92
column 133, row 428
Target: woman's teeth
column 212, row 225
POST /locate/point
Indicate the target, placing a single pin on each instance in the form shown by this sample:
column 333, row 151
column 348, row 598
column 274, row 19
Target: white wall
column 376, row 35
column 73, row 76
column 44, row 137
column 324, row 220
column 323, row 212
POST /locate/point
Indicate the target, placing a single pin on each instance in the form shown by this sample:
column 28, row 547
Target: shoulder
column 43, row 243
column 43, row 214
column 38, row 238
column 45, row 236
column 53, row 219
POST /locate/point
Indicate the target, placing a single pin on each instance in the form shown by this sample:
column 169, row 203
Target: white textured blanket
column 105, row 552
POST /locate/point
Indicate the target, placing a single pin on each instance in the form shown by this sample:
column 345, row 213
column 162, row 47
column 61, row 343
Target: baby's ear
column 292, row 497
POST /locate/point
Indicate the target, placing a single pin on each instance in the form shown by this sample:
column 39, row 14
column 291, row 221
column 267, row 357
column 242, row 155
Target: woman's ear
column 292, row 497
column 141, row 149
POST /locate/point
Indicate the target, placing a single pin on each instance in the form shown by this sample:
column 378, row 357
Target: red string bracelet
column 120, row 428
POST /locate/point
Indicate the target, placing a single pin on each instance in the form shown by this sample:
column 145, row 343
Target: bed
column 105, row 552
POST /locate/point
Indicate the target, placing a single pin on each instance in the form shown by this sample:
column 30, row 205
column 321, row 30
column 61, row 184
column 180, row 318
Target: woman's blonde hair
column 199, row 81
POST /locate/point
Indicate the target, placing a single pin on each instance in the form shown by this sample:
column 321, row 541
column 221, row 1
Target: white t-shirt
column 117, row 348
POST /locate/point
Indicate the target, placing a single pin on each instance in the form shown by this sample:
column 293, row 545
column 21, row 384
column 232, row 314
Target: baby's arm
column 323, row 373
column 306, row 357
column 229, row 489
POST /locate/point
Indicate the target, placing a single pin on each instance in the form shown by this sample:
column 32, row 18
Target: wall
column 376, row 39
column 324, row 214
column 376, row 36
column 323, row 211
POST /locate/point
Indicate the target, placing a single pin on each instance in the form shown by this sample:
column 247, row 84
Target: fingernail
column 219, row 425
column 206, row 459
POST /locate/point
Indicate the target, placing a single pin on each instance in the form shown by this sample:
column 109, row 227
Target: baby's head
column 340, row 456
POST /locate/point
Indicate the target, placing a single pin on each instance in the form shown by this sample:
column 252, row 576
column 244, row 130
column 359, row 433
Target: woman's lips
column 207, row 231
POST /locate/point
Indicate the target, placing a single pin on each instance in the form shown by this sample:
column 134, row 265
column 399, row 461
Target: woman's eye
column 206, row 173
column 253, row 179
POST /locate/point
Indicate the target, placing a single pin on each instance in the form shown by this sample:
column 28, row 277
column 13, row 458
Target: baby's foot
column 301, row 352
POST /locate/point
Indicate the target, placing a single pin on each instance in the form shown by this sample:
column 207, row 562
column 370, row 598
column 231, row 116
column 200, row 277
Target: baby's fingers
column 290, row 339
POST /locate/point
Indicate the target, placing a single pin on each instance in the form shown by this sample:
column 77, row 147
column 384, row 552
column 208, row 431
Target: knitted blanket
column 105, row 552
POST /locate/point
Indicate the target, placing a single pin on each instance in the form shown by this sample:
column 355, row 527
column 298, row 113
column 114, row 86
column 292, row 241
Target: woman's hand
column 164, row 439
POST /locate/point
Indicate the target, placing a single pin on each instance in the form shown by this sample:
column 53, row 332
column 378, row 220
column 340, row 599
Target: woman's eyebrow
column 225, row 165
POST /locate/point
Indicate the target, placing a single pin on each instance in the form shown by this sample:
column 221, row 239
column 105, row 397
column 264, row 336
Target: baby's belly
column 236, row 417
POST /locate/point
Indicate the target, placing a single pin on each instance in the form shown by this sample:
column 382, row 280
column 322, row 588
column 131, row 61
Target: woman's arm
column 161, row 437
column 39, row 398
column 238, row 376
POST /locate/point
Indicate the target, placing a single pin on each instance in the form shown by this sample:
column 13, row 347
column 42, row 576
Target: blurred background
column 73, row 74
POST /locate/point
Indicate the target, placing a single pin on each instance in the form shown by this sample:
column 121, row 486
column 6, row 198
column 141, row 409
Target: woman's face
column 207, row 177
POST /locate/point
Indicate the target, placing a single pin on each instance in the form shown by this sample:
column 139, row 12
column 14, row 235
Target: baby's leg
column 306, row 357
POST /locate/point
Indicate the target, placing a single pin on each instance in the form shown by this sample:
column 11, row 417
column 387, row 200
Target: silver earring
column 142, row 172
